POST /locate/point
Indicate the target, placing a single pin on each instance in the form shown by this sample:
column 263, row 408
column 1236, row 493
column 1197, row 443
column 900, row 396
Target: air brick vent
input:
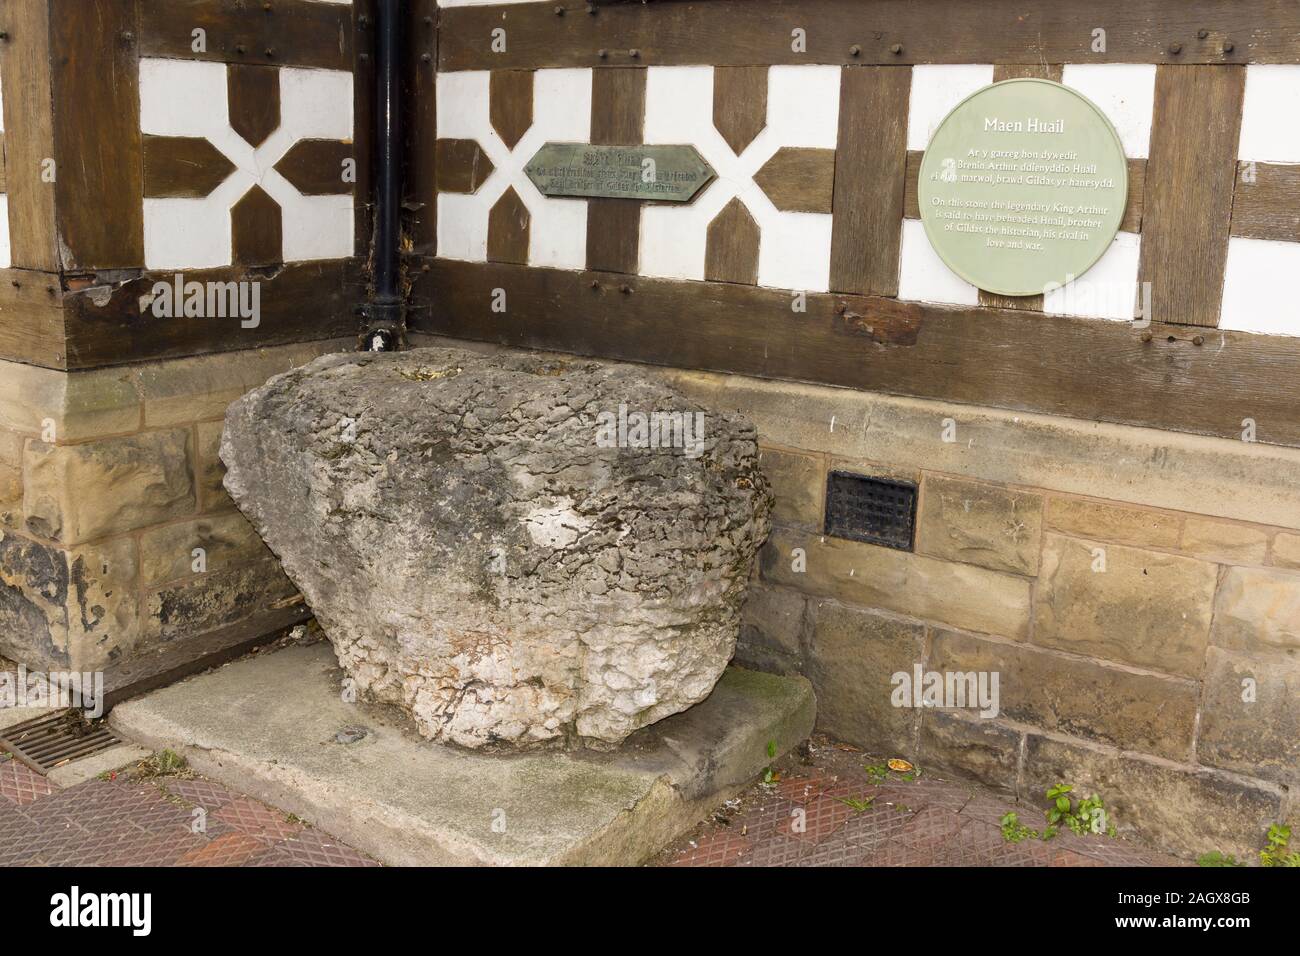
column 875, row 510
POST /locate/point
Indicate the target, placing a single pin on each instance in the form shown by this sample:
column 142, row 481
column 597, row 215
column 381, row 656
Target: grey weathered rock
column 477, row 552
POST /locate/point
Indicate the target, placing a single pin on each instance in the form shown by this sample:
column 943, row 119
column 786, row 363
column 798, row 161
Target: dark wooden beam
column 758, row 33
column 31, row 318
column 29, row 134
column 617, row 119
column 1088, row 369
column 422, row 155
column 731, row 245
column 510, row 104
column 870, row 177
column 183, row 167
column 1266, row 202
column 509, row 226
column 253, row 101
column 1187, row 209
column 281, row 33
column 799, row 179
column 315, row 167
column 98, row 145
column 111, row 323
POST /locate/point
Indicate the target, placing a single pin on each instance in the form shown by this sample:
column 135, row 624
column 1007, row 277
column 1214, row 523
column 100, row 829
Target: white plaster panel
column 561, row 113
column 1125, row 92
column 794, row 248
column 6, row 256
column 1259, row 288
column 936, row 89
column 803, row 102
column 316, row 104
column 462, row 103
column 1270, row 118
column 679, row 109
column 187, row 233
column 922, row 275
column 182, row 97
column 188, row 98
column 1106, row 291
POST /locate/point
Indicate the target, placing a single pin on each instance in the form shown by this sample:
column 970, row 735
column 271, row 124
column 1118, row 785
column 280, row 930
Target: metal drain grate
column 44, row 743
column 875, row 510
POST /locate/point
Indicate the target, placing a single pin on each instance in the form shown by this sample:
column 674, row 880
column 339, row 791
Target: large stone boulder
column 514, row 549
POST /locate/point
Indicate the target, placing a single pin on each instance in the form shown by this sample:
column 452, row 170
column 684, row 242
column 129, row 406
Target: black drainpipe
column 384, row 310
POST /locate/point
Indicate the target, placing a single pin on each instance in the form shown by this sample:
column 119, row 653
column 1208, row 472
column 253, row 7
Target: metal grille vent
column 875, row 510
column 49, row 741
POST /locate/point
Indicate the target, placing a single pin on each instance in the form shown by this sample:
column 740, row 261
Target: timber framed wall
column 219, row 145
column 815, row 115
column 223, row 139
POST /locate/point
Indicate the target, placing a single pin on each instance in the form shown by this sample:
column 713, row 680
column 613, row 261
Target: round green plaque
column 1023, row 187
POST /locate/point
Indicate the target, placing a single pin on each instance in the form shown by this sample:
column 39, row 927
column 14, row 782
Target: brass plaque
column 642, row 173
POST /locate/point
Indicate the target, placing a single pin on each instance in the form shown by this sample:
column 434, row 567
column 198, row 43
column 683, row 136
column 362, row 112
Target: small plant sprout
column 857, row 805
column 1013, row 831
column 771, row 776
column 1084, row 817
column 1276, row 854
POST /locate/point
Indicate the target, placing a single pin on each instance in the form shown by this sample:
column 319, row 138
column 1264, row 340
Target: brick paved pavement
column 928, row 821
column 151, row 822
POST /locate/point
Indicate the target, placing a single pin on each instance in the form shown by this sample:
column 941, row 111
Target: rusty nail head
column 1175, row 48
column 1228, row 47
column 1146, row 336
column 896, row 49
column 855, row 50
column 1198, row 340
column 1202, row 33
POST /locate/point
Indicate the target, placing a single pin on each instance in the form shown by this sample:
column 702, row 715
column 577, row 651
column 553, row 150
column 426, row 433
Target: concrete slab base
column 270, row 727
column 88, row 768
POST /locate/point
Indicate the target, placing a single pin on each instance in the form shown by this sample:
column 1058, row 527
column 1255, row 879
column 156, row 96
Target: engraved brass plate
column 642, row 173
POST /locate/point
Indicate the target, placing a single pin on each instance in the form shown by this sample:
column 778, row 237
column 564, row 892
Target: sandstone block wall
column 109, row 482
column 1137, row 592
